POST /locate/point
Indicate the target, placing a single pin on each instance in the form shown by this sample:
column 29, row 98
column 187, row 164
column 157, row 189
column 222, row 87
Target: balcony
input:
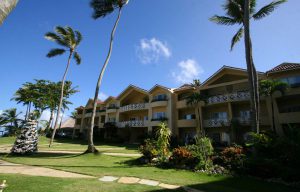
column 216, row 123
column 112, row 109
column 134, row 107
column 137, row 123
column 239, row 96
column 186, row 123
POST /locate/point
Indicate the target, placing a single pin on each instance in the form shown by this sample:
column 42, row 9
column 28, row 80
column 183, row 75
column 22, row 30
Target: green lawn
column 100, row 165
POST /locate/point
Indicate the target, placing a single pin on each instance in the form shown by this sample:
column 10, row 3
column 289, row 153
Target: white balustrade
column 131, row 107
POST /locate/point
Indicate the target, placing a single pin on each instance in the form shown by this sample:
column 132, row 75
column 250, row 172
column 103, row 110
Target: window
column 292, row 81
column 220, row 115
column 159, row 115
column 190, row 116
column 160, row 97
column 112, row 119
column 145, row 118
column 245, row 114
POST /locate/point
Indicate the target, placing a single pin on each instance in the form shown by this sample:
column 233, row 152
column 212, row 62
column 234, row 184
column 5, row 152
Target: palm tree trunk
column 91, row 147
column 61, row 98
column 26, row 114
column 200, row 131
column 6, row 6
column 273, row 115
column 50, row 119
column 61, row 119
column 252, row 75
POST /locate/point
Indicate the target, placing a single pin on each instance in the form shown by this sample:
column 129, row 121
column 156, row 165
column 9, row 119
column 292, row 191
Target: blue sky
column 167, row 42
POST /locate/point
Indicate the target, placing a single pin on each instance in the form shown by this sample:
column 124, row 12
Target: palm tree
column 69, row 40
column 239, row 12
column 195, row 99
column 11, row 116
column 6, row 6
column 101, row 9
column 267, row 89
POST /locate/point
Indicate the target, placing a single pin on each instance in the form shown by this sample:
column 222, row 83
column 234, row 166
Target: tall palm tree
column 267, row 88
column 101, row 9
column 240, row 12
column 195, row 99
column 6, row 6
column 69, row 40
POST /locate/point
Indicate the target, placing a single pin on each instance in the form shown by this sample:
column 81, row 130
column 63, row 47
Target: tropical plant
column 101, row 9
column 202, row 151
column 239, row 12
column 181, row 157
column 149, row 149
column 6, row 6
column 11, row 119
column 267, row 89
column 69, row 40
column 195, row 99
column 163, row 134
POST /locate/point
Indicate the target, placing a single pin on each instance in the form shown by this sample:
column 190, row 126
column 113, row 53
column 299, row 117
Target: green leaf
column 55, row 38
column 268, row 9
column 79, row 37
column 237, row 37
column 77, row 58
column 224, row 20
column 55, row 52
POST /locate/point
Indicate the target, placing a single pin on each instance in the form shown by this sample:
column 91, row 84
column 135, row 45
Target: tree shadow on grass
column 46, row 155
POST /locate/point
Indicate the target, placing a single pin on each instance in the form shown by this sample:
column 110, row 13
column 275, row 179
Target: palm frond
column 104, row 7
column 237, row 37
column 77, row 58
column 234, row 9
column 70, row 37
column 60, row 30
column 79, row 37
column 55, row 52
column 55, row 38
column 268, row 9
column 6, row 6
column 224, row 20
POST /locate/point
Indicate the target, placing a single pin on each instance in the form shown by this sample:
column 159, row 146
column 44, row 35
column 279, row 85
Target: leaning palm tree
column 101, row 9
column 267, row 88
column 6, row 6
column 239, row 12
column 69, row 40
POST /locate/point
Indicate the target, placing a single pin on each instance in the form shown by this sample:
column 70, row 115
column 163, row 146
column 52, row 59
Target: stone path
column 12, row 168
column 135, row 180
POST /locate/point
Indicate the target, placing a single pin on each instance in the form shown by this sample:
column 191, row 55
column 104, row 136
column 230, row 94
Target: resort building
column 224, row 114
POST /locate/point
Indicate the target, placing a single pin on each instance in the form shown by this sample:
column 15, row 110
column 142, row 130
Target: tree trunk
column 6, row 6
column 91, row 147
column 200, row 131
column 26, row 114
column 273, row 115
column 61, row 98
column 50, row 119
column 61, row 119
column 252, row 75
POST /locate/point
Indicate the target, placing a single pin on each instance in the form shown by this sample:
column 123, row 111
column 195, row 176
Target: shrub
column 202, row 152
column 233, row 158
column 182, row 158
column 149, row 149
column 163, row 134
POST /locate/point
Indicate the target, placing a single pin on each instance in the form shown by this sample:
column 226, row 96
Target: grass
column 21, row 183
column 100, row 165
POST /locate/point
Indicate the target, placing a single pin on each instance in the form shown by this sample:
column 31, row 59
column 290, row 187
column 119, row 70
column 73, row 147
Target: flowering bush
column 232, row 157
column 182, row 157
column 149, row 149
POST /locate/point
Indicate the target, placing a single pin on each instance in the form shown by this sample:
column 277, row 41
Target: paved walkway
column 12, row 168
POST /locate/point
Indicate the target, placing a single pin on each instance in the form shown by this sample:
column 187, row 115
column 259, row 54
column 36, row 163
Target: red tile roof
column 284, row 67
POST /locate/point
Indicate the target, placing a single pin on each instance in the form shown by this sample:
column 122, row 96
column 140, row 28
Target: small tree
column 163, row 135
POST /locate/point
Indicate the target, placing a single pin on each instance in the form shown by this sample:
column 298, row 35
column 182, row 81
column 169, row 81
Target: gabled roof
column 159, row 86
column 224, row 68
column 284, row 67
column 68, row 123
column 184, row 87
column 131, row 87
column 80, row 107
column 109, row 99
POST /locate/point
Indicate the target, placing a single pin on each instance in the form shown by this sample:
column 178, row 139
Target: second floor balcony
column 134, row 107
column 238, row 96
column 216, row 123
column 135, row 123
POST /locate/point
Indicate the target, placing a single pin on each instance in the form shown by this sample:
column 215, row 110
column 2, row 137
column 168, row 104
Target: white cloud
column 187, row 71
column 151, row 50
column 102, row 96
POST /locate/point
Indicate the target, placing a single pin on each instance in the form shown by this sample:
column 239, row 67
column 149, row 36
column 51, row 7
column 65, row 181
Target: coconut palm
column 240, row 12
column 101, row 9
column 195, row 100
column 6, row 6
column 267, row 88
column 69, row 40
column 11, row 117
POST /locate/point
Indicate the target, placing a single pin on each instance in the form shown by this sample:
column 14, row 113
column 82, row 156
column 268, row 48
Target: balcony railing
column 132, row 107
column 160, row 119
column 137, row 123
column 216, row 123
column 229, row 97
